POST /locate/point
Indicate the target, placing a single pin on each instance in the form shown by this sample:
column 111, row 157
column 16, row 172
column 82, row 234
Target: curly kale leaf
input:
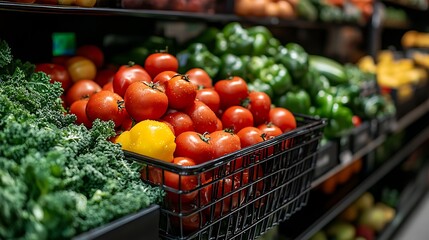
column 5, row 54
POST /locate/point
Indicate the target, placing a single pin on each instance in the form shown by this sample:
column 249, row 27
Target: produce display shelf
column 358, row 155
column 396, row 126
column 168, row 15
column 411, row 195
column 345, row 198
column 407, row 5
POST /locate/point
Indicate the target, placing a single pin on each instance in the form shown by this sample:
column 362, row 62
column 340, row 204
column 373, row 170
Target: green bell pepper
column 207, row 37
column 231, row 65
column 239, row 41
column 255, row 64
column 295, row 59
column 197, row 55
column 262, row 36
column 273, row 47
column 339, row 117
column 278, row 77
column 313, row 82
column 297, row 101
column 261, row 86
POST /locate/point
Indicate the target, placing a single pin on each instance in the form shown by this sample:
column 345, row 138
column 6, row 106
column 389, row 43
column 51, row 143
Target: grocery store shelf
column 396, row 126
column 412, row 194
column 166, row 15
column 358, row 155
column 348, row 197
column 411, row 117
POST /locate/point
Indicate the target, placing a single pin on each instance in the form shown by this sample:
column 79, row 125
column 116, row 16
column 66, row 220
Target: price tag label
column 346, row 157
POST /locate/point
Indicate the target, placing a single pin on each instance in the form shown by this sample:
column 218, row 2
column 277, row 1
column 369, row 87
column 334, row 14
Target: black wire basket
column 240, row 195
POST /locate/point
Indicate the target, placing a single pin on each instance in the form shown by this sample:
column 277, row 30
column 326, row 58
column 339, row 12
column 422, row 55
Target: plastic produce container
column 242, row 194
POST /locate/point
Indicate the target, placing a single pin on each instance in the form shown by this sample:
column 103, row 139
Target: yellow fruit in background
column 367, row 64
column 365, row 201
column 408, row 40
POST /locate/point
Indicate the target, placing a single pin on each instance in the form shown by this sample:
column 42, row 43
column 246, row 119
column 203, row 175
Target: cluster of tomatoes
column 208, row 119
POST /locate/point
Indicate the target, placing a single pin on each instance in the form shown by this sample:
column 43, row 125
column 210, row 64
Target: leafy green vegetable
column 58, row 179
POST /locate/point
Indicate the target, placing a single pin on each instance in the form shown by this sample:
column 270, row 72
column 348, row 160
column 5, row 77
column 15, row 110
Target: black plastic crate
column 143, row 224
column 327, row 158
column 360, row 136
column 242, row 194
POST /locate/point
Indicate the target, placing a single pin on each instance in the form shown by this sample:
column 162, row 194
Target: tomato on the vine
column 78, row 108
column 180, row 91
column 259, row 103
column 200, row 77
column 210, row 97
column 283, row 118
column 194, row 145
column 57, row 73
column 159, row 62
column 236, row 118
column 81, row 89
column 231, row 91
column 204, row 119
column 180, row 121
column 144, row 100
column 106, row 105
column 93, row 53
column 128, row 74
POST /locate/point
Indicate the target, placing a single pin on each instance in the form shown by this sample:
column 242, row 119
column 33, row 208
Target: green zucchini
column 331, row 69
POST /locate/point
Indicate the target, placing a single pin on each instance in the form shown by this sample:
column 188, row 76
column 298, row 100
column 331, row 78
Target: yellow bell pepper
column 150, row 138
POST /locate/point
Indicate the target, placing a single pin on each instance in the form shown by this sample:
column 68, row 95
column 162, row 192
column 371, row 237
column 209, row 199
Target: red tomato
column 219, row 125
column 204, row 119
column 282, row 118
column 250, row 136
column 180, row 91
column 145, row 101
column 224, row 187
column 357, row 121
column 210, row 97
column 128, row 122
column 159, row 62
column 231, row 91
column 81, row 89
column 61, row 60
column 128, row 74
column 200, row 77
column 236, row 118
column 194, row 145
column 190, row 221
column 187, row 183
column 180, row 121
column 259, row 103
column 78, row 108
column 270, row 130
column 163, row 77
column 224, row 142
column 106, row 105
column 108, row 87
column 57, row 73
column 81, row 68
column 105, row 76
column 93, row 53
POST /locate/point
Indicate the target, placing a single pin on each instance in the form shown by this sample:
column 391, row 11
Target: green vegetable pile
column 57, row 179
